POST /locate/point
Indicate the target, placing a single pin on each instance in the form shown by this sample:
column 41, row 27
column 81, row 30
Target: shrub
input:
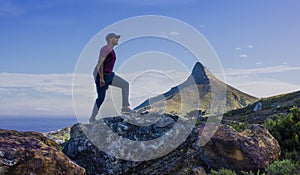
column 240, row 126
column 257, row 173
column 286, row 130
column 282, row 167
column 223, row 171
column 279, row 167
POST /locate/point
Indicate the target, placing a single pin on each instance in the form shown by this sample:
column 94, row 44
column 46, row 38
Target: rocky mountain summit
column 204, row 85
column 250, row 150
column 30, row 153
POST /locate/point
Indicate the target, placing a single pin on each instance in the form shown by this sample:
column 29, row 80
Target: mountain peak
column 199, row 74
column 198, row 67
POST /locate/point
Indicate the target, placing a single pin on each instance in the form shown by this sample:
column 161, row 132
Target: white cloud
column 51, row 94
column 238, row 48
column 163, row 34
column 255, row 82
column 167, row 34
column 258, row 63
column 174, row 33
column 36, row 95
column 243, row 56
column 261, row 87
column 256, row 71
column 250, row 46
column 55, row 83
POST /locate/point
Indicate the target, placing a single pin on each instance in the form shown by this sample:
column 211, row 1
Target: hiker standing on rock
column 104, row 76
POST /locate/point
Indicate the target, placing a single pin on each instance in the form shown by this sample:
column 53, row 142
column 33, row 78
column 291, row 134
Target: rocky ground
column 250, row 150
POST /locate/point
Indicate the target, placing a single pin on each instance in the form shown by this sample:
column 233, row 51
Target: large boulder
column 30, row 153
column 251, row 150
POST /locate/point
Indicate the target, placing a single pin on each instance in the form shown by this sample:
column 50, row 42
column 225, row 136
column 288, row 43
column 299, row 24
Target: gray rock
column 250, row 150
column 33, row 153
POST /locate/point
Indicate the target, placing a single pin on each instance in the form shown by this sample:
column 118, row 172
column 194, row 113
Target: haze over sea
column 39, row 124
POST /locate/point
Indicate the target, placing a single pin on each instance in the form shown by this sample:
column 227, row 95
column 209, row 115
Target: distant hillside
column 204, row 80
column 59, row 136
column 264, row 108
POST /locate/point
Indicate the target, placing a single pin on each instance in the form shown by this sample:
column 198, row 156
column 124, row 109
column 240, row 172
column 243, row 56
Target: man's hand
column 102, row 82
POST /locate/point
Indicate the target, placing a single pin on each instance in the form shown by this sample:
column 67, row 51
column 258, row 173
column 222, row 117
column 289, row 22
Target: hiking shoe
column 127, row 110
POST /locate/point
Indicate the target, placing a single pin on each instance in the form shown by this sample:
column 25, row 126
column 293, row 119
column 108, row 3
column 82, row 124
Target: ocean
column 39, row 124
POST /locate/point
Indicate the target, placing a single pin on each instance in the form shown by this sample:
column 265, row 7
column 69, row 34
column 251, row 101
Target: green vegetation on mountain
column 271, row 108
column 281, row 116
column 286, row 129
column 279, row 167
column 60, row 136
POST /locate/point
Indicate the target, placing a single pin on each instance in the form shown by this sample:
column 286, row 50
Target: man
column 104, row 76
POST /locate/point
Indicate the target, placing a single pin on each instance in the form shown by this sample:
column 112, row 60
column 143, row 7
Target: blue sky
column 51, row 34
column 257, row 43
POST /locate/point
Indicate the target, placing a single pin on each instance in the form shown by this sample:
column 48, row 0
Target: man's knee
column 99, row 101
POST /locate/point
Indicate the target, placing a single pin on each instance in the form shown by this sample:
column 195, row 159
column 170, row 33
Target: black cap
column 111, row 35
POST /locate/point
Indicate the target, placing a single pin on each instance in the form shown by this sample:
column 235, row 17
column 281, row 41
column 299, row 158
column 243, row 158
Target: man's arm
column 99, row 70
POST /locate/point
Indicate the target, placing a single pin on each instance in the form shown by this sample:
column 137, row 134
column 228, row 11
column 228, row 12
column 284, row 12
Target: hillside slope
column 172, row 101
column 264, row 108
